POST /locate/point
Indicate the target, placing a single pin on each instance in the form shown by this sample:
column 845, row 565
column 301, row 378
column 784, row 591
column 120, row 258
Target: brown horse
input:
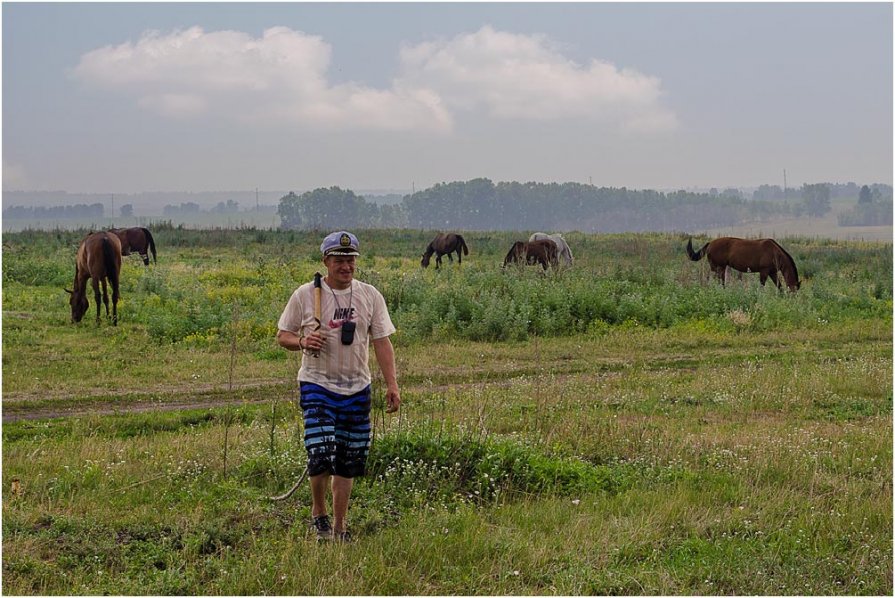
column 136, row 239
column 99, row 259
column 542, row 252
column 445, row 244
column 764, row 256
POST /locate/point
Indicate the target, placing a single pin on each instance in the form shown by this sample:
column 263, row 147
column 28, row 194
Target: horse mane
column 792, row 262
column 151, row 243
column 513, row 252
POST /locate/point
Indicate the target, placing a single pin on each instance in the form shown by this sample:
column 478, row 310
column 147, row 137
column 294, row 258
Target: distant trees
column 878, row 213
column 324, row 208
column 865, row 196
column 773, row 193
column 81, row 210
column 815, row 199
column 874, row 208
column 127, row 210
column 479, row 204
column 183, row 209
column 228, row 207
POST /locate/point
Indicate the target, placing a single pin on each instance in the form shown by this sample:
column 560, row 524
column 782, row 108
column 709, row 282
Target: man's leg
column 352, row 439
column 341, row 494
column 319, row 486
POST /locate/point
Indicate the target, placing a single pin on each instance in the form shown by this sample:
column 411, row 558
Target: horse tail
column 151, row 242
column 109, row 263
column 695, row 255
column 463, row 244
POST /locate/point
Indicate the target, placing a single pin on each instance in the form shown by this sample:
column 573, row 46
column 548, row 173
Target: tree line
column 80, row 210
column 480, row 204
column 874, row 208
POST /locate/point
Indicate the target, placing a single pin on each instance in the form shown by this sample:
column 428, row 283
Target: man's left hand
column 392, row 400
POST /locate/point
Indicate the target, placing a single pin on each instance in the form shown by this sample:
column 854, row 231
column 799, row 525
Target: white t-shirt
column 344, row 369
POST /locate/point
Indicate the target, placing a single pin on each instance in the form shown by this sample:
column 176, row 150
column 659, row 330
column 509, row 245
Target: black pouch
column 348, row 332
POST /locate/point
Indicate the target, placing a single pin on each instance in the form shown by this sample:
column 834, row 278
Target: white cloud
column 281, row 77
column 229, row 74
column 517, row 76
column 175, row 105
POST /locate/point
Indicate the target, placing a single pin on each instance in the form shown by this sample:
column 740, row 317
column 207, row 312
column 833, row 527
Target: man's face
column 339, row 270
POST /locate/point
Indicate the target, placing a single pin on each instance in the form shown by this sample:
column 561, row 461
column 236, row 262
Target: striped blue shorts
column 337, row 430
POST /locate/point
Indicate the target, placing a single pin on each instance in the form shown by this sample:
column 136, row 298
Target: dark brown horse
column 764, row 256
column 542, row 252
column 445, row 244
column 99, row 259
column 136, row 239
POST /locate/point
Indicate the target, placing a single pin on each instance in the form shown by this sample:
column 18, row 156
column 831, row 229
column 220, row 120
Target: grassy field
column 624, row 427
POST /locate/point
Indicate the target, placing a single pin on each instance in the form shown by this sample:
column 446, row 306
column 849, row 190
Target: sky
column 134, row 97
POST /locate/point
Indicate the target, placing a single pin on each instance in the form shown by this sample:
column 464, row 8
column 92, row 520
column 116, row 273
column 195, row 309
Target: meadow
column 626, row 426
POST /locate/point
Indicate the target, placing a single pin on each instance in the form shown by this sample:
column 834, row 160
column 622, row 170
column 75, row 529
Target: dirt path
column 21, row 406
column 28, row 406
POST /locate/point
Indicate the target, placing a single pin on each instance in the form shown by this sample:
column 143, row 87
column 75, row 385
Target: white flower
column 576, row 502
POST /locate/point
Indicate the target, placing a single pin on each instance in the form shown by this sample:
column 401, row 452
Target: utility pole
column 784, row 183
column 257, row 205
column 113, row 209
column 413, row 186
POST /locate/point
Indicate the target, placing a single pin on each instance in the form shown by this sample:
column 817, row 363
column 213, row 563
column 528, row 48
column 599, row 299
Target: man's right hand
column 313, row 342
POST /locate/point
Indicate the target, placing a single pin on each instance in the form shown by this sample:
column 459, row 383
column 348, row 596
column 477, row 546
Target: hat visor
column 340, row 252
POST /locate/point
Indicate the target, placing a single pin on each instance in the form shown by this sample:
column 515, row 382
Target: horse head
column 79, row 304
column 424, row 262
column 792, row 281
column 515, row 254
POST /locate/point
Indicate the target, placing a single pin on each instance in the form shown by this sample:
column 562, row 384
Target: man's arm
column 289, row 340
column 385, row 356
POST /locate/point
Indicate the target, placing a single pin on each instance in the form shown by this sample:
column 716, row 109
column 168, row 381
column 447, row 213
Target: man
column 334, row 378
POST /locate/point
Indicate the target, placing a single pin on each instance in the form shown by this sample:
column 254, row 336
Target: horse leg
column 459, row 256
column 115, row 295
column 97, row 297
column 145, row 257
column 763, row 277
column 720, row 273
column 437, row 261
column 105, row 296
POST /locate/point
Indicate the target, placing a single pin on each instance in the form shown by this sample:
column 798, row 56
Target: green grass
column 626, row 427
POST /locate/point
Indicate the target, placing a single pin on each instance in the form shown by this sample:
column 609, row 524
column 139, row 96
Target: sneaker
column 323, row 528
column 344, row 537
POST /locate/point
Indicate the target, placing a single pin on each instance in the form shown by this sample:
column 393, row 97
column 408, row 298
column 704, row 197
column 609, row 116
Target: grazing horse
column 445, row 244
column 136, row 239
column 565, row 252
column 764, row 256
column 99, row 259
column 533, row 252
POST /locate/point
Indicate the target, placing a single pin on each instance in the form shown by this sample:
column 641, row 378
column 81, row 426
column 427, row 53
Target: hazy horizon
column 130, row 98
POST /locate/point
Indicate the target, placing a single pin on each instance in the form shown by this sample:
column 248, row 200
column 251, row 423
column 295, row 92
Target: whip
column 292, row 490
column 318, row 288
